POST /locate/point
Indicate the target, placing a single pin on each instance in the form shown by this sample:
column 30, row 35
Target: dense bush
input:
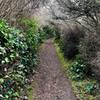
column 57, row 36
column 49, row 31
column 90, row 88
column 70, row 41
column 78, row 68
column 18, row 56
column 9, row 44
column 33, row 39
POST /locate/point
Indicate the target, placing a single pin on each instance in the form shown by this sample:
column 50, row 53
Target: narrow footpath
column 52, row 83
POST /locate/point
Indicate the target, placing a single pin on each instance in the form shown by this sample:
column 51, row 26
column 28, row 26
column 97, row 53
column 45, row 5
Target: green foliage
column 8, row 89
column 9, row 43
column 85, row 89
column 18, row 56
column 57, row 36
column 90, row 87
column 49, row 31
column 33, row 38
column 78, row 69
column 69, row 40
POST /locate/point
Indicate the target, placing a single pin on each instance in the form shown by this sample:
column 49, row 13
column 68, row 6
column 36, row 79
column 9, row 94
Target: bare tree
column 87, row 11
column 13, row 10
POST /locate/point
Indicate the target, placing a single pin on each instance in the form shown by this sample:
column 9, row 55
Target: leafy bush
column 9, row 43
column 78, row 69
column 58, row 39
column 18, row 56
column 49, row 31
column 90, row 87
column 33, row 39
column 70, row 42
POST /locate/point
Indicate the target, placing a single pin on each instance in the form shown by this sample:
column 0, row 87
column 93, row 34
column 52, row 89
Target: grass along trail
column 51, row 81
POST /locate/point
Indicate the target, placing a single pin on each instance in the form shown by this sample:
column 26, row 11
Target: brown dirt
column 52, row 83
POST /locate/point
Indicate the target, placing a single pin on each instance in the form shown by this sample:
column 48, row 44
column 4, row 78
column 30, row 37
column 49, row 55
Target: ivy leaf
column 7, row 60
column 16, row 94
column 1, row 80
column 6, row 96
column 2, row 61
column 1, row 96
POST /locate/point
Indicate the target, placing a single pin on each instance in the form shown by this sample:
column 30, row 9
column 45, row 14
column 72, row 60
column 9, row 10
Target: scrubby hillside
column 73, row 25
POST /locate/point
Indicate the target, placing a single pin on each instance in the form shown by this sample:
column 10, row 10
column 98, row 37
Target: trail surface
column 52, row 83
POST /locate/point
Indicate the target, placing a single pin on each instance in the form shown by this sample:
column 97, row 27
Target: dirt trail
column 52, row 83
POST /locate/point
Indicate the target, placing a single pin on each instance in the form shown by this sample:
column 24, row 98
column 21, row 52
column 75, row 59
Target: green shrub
column 70, row 41
column 18, row 56
column 78, row 69
column 49, row 31
column 9, row 44
column 58, row 39
column 90, row 88
column 57, row 35
column 33, row 38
